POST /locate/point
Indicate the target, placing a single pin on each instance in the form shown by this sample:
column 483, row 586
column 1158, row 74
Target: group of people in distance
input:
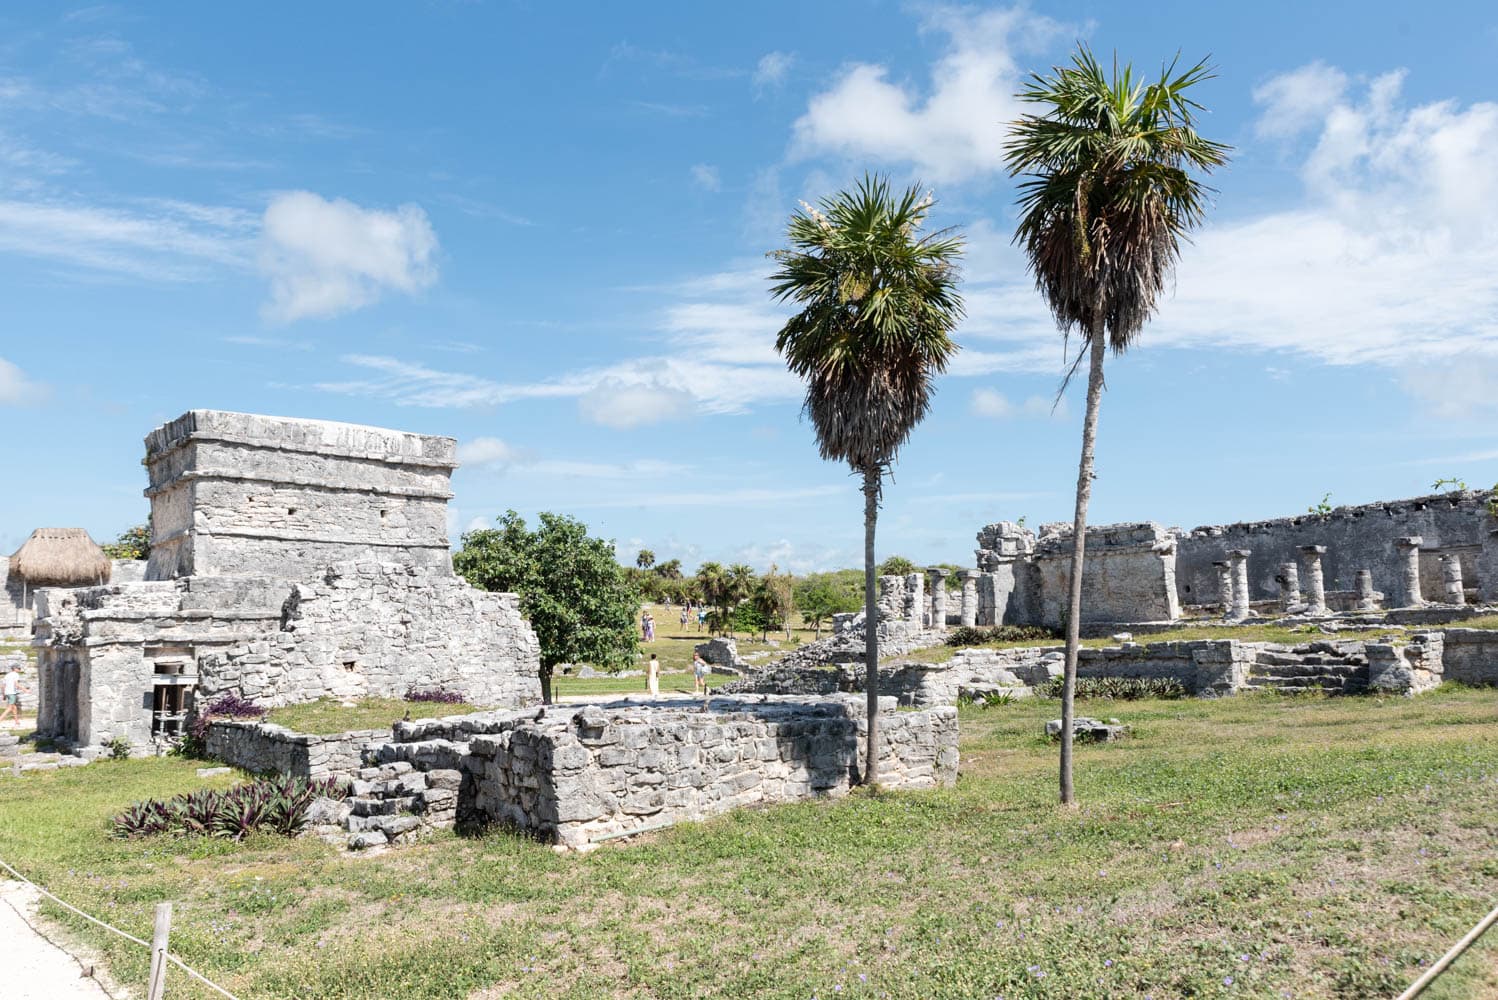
column 700, row 667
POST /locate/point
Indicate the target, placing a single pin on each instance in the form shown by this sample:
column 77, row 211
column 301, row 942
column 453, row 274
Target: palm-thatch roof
column 60, row 557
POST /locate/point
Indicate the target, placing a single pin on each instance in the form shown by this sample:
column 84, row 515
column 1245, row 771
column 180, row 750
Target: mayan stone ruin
column 290, row 560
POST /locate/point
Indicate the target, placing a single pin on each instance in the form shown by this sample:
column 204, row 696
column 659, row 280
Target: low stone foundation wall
column 263, row 748
column 580, row 775
column 1471, row 655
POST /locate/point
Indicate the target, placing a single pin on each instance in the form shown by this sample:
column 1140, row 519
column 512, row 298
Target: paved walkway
column 31, row 967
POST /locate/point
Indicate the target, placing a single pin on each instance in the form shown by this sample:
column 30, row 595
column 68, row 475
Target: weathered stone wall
column 237, row 494
column 596, row 773
column 1128, row 575
column 265, row 748
column 1009, row 589
column 378, row 630
column 1356, row 537
column 361, row 630
column 1470, row 655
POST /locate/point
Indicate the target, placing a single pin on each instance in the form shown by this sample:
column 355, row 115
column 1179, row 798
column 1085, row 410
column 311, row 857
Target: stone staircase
column 18, row 757
column 1316, row 668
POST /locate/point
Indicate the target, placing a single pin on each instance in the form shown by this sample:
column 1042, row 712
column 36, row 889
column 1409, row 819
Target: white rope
column 115, row 930
column 1418, row 986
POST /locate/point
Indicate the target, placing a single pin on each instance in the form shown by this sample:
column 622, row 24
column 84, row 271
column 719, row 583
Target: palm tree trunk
column 871, row 625
column 1079, row 543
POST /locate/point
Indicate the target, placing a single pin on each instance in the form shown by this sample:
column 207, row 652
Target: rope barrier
column 115, row 930
column 1419, row 985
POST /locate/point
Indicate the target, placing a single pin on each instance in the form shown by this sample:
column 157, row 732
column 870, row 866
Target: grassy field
column 672, row 683
column 1242, row 847
column 673, row 641
column 328, row 715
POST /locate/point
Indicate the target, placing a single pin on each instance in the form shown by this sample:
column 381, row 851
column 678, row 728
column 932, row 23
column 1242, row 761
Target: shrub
column 119, row 748
column 194, row 742
column 1121, row 688
column 439, row 695
column 276, row 805
column 988, row 699
column 969, row 635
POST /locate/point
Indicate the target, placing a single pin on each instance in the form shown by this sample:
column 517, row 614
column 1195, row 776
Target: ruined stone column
column 1409, row 551
column 915, row 598
column 1224, row 587
column 1451, row 579
column 1238, row 561
column 1315, row 582
column 1289, row 581
column 1367, row 601
column 939, row 598
column 969, row 598
column 891, row 602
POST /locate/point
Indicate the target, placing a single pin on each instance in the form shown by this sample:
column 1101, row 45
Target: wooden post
column 159, row 936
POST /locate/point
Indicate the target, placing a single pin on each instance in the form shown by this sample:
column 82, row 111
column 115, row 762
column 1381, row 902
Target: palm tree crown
column 1108, row 193
column 878, row 305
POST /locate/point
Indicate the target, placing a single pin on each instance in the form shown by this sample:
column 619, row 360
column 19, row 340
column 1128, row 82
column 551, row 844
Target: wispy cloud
column 771, row 70
column 672, row 110
column 705, row 176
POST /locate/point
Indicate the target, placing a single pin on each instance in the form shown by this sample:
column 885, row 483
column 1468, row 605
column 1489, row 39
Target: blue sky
column 542, row 231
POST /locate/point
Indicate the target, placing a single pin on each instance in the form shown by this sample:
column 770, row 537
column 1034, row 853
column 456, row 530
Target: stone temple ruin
column 1383, row 569
column 1432, row 550
column 290, row 560
column 297, row 559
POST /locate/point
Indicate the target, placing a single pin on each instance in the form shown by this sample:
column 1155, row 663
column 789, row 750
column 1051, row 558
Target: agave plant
column 437, row 694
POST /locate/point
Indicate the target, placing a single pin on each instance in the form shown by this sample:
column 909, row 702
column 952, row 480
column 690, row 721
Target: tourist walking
column 653, row 676
column 649, row 627
column 700, row 670
column 685, row 612
column 11, row 688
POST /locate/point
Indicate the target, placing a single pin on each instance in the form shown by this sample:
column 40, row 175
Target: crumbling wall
column 580, row 777
column 1470, row 655
column 266, row 748
column 1128, row 574
column 378, row 630
column 1356, row 537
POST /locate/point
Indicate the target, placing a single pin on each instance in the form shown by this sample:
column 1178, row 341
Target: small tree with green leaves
column 133, row 543
column 897, row 566
column 774, row 597
column 572, row 589
column 645, row 559
column 822, row 595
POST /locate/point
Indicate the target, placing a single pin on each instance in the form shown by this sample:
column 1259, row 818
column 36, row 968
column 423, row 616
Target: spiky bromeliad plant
column 878, row 303
column 1107, row 195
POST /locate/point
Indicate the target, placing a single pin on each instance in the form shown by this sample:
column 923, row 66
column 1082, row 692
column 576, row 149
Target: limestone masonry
column 579, row 775
column 290, row 560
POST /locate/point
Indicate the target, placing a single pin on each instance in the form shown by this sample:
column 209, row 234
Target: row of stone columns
column 1232, row 581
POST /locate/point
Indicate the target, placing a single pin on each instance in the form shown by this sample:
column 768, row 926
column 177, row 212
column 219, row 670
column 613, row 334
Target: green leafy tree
column 712, row 582
column 645, row 559
column 822, row 595
column 572, row 589
column 668, row 570
column 133, row 543
column 877, row 304
column 1107, row 195
column 775, row 599
column 897, row 566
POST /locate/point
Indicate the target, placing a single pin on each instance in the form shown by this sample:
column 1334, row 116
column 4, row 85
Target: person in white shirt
column 11, row 688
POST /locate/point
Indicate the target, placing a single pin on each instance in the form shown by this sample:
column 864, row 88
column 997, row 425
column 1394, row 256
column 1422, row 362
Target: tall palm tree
column 878, row 302
column 1108, row 194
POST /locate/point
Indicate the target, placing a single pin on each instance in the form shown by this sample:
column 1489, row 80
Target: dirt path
column 31, row 966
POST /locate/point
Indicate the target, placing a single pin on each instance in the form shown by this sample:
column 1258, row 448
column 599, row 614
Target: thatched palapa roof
column 60, row 557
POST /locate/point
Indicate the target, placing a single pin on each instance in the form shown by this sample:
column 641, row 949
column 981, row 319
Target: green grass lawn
column 1240, row 847
column 673, row 683
column 329, row 715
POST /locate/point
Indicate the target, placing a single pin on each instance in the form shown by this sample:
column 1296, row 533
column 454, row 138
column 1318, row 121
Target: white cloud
column 716, row 355
column 990, row 403
column 771, row 69
column 487, row 451
column 952, row 129
column 16, row 389
column 1296, row 101
column 705, row 176
column 620, row 404
column 1389, row 257
column 329, row 257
